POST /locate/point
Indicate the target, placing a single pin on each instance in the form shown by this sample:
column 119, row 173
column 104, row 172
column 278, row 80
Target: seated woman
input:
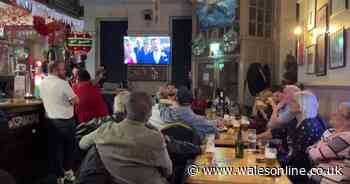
column 335, row 143
column 307, row 131
column 119, row 111
column 91, row 103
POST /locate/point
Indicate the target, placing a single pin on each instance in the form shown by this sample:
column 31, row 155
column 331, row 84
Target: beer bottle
column 239, row 146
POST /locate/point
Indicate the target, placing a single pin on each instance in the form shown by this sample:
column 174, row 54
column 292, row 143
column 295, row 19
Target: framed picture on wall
column 322, row 19
column 310, row 59
column 321, row 55
column 311, row 14
column 337, row 6
column 338, row 49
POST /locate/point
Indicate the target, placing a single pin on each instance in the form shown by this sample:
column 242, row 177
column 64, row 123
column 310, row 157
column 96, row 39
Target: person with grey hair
column 306, row 132
column 281, row 112
column 335, row 143
column 130, row 150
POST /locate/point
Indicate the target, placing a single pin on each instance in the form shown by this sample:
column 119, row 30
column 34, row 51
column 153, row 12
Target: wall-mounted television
column 149, row 50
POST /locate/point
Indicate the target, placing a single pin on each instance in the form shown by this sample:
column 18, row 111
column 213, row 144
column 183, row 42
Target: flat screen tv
column 149, row 50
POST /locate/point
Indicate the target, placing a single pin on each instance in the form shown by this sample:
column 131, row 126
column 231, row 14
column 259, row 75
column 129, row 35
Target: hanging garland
column 38, row 9
column 230, row 41
column 11, row 15
column 198, row 45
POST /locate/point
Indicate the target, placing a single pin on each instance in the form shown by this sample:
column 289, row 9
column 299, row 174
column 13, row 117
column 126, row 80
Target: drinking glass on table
column 210, row 147
column 244, row 123
column 251, row 139
column 261, row 146
column 236, row 125
column 270, row 155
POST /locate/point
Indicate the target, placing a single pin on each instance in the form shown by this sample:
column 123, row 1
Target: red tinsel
column 40, row 26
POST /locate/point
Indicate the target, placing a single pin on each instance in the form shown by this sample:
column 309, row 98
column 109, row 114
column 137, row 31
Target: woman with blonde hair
column 119, row 111
column 306, row 131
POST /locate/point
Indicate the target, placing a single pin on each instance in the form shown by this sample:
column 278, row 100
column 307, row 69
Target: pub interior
column 174, row 92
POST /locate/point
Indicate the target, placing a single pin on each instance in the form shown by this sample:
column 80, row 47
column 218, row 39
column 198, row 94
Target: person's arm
column 279, row 118
column 69, row 93
column 331, row 149
column 265, row 135
column 88, row 140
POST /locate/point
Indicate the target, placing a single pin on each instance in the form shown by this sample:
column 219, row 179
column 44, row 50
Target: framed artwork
column 338, row 49
column 310, row 59
column 337, row 6
column 322, row 19
column 311, row 14
column 321, row 55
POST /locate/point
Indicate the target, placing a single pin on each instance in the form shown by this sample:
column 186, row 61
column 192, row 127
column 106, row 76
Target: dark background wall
column 112, row 53
column 181, row 46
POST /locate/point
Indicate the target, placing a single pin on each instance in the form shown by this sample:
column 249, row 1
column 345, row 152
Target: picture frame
column 337, row 6
column 338, row 48
column 322, row 19
column 321, row 55
column 310, row 59
column 311, row 14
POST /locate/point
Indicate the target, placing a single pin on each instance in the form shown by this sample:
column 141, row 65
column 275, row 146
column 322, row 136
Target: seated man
column 281, row 111
column 182, row 112
column 130, row 151
column 335, row 143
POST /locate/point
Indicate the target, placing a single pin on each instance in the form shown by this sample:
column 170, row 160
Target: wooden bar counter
column 23, row 140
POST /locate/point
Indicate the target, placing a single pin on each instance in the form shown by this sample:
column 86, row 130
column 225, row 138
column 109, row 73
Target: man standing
column 159, row 56
column 59, row 100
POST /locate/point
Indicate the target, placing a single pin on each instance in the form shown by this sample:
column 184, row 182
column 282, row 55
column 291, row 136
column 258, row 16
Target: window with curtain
column 260, row 18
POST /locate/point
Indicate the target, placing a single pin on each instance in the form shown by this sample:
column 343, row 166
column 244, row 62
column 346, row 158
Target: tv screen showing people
column 150, row 50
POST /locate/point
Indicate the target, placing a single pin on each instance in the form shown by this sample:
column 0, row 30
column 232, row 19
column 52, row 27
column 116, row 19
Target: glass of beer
column 210, row 148
column 270, row 156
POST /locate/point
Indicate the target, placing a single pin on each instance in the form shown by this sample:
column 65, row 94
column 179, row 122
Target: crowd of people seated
column 290, row 115
column 151, row 141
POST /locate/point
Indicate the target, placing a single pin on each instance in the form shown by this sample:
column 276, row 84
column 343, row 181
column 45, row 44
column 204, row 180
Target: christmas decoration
column 199, row 45
column 230, row 41
column 38, row 9
column 11, row 15
column 79, row 42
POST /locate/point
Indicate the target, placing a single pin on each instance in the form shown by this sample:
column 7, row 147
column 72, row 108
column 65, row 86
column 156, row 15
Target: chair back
column 181, row 132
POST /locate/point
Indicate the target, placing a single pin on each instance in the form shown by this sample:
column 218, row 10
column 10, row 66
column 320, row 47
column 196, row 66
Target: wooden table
column 227, row 139
column 225, row 157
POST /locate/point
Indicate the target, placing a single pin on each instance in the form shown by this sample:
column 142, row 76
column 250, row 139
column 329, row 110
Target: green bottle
column 239, row 146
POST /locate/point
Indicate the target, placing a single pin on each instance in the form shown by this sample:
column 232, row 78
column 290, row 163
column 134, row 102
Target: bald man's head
column 139, row 106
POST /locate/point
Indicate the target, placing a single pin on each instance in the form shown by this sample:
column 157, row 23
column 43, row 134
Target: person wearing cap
column 182, row 112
